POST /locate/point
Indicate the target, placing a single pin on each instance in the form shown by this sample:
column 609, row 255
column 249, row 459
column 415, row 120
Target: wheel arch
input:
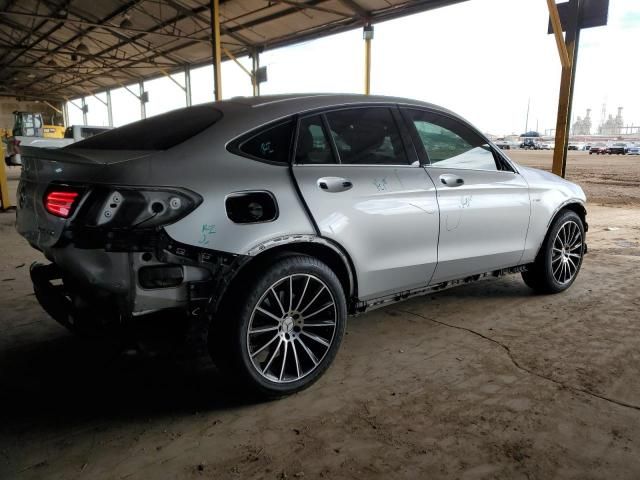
column 571, row 205
column 574, row 206
column 322, row 249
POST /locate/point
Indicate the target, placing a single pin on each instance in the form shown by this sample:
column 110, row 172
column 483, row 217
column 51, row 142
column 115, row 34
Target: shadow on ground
column 65, row 379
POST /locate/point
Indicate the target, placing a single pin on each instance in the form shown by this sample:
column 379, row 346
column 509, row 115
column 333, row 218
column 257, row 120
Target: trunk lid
column 79, row 169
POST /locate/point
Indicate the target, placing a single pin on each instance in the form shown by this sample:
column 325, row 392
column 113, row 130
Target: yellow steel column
column 4, row 187
column 216, row 50
column 367, row 34
column 567, row 78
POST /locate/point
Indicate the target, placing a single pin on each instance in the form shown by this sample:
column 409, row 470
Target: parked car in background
column 503, row 144
column 530, row 144
column 633, row 150
column 617, row 149
column 546, row 146
column 598, row 148
column 270, row 219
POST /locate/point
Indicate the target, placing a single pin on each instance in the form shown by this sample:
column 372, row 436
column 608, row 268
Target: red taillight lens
column 16, row 145
column 60, row 202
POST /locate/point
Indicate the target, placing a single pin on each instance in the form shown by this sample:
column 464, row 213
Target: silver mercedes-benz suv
column 273, row 218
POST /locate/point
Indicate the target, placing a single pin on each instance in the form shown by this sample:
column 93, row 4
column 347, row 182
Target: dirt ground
column 483, row 381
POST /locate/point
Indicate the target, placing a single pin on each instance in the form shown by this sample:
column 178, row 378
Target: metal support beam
column 367, row 33
column 100, row 25
column 168, row 75
column 237, row 62
column 53, row 107
column 65, row 109
column 557, row 33
column 572, row 40
column 355, row 7
column 143, row 107
column 255, row 65
column 215, row 49
column 109, row 108
column 84, row 111
column 187, row 84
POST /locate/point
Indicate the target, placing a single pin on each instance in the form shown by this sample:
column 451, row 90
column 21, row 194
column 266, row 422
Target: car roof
column 288, row 104
column 297, row 100
column 255, row 111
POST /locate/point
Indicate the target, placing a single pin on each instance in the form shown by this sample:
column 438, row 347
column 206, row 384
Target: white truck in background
column 28, row 131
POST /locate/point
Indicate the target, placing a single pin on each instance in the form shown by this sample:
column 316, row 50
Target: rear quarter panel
column 205, row 166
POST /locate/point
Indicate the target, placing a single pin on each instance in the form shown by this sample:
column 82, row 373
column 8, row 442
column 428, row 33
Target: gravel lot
column 483, row 381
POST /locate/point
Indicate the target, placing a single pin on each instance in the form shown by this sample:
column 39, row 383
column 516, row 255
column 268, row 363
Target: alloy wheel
column 291, row 328
column 566, row 254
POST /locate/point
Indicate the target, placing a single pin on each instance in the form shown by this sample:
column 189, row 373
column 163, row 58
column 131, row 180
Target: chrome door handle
column 334, row 184
column 451, row 180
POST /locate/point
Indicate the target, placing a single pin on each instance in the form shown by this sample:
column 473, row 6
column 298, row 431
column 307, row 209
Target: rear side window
column 367, row 136
column 156, row 133
column 271, row 144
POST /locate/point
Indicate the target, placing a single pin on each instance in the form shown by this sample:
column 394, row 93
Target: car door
column 365, row 189
column 484, row 203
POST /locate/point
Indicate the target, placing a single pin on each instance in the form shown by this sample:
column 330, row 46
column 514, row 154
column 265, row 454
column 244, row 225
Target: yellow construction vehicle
column 53, row 131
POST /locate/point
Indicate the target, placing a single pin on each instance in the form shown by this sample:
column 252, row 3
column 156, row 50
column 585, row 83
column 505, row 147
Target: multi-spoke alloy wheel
column 291, row 328
column 281, row 327
column 560, row 256
column 567, row 252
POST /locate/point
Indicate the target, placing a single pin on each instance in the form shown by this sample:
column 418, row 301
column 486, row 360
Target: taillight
column 60, row 202
column 16, row 146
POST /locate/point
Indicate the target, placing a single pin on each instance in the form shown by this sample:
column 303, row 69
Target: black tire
column 231, row 346
column 546, row 274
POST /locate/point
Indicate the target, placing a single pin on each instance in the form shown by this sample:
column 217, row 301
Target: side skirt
column 375, row 303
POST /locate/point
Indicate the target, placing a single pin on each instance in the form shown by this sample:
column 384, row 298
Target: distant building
column 612, row 126
column 582, row 126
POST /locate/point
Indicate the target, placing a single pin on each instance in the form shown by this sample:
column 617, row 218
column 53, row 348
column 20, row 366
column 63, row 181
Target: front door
column 484, row 204
column 369, row 195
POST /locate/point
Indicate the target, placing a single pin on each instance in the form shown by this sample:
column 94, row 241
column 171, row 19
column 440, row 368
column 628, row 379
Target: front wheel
column 283, row 332
column 560, row 258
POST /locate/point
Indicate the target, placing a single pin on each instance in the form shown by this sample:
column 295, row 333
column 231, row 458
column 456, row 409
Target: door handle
column 334, row 184
column 451, row 180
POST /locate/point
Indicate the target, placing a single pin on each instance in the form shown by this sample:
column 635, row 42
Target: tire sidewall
column 282, row 268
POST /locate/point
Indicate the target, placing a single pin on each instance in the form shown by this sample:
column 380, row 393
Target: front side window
column 367, row 136
column 313, row 146
column 451, row 144
column 272, row 144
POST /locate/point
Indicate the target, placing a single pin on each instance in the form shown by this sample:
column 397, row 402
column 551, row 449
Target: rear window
column 156, row 133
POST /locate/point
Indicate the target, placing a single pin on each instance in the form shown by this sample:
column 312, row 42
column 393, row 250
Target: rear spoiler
column 83, row 156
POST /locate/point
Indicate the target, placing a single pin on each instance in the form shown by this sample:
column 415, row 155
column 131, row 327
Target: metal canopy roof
column 54, row 49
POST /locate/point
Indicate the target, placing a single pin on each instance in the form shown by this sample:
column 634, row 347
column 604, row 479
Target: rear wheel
column 283, row 332
column 560, row 257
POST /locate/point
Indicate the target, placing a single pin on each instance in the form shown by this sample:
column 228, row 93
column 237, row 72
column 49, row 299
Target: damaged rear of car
column 93, row 213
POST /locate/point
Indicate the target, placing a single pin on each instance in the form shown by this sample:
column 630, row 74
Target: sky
column 483, row 59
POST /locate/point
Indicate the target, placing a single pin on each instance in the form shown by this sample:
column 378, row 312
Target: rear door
column 484, row 203
column 366, row 191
